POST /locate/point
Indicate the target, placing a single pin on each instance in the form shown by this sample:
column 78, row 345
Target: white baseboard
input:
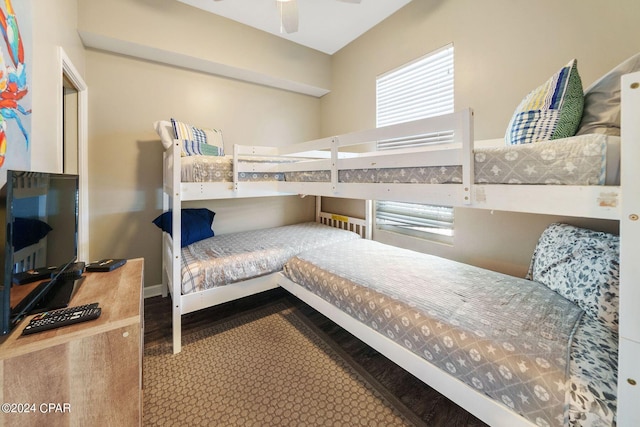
column 152, row 291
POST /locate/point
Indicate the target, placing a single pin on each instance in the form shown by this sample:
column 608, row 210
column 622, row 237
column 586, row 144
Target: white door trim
column 67, row 68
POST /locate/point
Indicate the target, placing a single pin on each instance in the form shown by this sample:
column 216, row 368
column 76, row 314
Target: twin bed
column 511, row 351
column 514, row 340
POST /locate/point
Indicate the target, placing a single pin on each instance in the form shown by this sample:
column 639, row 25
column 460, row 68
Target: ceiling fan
column 288, row 10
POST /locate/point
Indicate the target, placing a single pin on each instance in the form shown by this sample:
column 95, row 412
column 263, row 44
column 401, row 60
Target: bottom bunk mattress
column 512, row 339
column 232, row 257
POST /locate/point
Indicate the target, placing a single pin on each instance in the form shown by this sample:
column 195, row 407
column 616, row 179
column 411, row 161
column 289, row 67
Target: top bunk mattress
column 232, row 257
column 592, row 159
column 220, row 169
column 507, row 337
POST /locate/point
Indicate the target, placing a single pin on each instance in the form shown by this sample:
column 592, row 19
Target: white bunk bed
column 188, row 302
column 615, row 202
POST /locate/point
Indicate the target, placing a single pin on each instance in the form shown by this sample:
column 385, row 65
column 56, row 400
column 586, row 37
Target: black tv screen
column 40, row 237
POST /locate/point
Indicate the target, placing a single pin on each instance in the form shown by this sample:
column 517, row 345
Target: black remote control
column 62, row 317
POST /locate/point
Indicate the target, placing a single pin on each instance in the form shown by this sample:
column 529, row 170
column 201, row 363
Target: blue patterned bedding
column 512, row 339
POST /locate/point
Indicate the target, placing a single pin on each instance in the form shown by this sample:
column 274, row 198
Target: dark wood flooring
column 430, row 406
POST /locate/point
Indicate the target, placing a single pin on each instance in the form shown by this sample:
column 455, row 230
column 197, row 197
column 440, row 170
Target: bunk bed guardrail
column 457, row 153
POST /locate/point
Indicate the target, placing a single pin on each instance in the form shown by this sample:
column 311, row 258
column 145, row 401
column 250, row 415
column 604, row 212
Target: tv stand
column 88, row 373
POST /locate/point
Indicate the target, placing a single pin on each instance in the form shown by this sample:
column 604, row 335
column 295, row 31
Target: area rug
column 267, row 367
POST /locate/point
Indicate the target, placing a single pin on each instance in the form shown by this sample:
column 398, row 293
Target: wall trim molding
column 136, row 50
column 152, row 291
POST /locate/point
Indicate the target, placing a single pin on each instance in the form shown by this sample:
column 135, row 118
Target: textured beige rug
column 263, row 368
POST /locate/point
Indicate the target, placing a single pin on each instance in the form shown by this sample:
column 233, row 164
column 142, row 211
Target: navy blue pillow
column 195, row 224
column 28, row 231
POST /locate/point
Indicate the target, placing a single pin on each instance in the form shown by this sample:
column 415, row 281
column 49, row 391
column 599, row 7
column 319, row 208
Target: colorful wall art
column 15, row 86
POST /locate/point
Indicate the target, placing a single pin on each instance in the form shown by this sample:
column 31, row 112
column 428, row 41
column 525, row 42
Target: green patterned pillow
column 193, row 148
column 551, row 111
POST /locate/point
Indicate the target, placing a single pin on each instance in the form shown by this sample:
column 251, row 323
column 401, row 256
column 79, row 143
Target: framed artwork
column 15, row 86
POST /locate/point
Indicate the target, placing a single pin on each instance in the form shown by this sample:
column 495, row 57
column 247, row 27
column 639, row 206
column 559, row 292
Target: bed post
column 176, row 247
column 629, row 346
column 334, row 164
column 465, row 125
column 368, row 217
column 318, row 208
column 236, row 153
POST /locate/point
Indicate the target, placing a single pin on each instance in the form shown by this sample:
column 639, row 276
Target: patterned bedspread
column 581, row 160
column 506, row 337
column 220, row 169
column 229, row 258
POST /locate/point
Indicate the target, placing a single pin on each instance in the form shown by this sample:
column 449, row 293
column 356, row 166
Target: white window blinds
column 420, row 89
column 414, row 219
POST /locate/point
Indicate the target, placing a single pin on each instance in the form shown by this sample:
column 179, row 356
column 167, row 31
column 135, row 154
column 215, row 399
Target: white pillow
column 602, row 101
column 165, row 130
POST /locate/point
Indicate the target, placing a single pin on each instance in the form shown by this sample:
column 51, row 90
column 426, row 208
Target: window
column 414, row 219
column 420, row 89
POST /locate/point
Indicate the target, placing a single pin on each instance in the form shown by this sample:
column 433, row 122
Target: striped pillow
column 187, row 132
column 551, row 111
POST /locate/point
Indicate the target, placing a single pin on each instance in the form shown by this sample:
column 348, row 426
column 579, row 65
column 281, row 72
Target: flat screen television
column 40, row 241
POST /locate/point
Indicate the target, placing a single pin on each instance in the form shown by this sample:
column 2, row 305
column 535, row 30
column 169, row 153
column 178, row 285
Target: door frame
column 66, row 68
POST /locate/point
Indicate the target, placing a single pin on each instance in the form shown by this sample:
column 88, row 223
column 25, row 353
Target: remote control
column 62, row 317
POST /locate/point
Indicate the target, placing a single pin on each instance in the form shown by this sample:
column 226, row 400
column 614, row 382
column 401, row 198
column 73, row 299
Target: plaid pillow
column 196, row 135
column 551, row 111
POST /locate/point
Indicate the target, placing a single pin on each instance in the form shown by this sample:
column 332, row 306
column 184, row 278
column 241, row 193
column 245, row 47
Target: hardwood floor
column 433, row 408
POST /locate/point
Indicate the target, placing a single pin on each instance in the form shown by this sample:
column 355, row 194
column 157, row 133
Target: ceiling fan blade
column 288, row 15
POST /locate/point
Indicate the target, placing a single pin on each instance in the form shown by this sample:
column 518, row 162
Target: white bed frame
column 620, row 203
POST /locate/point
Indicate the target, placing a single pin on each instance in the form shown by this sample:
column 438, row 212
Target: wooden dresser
column 85, row 374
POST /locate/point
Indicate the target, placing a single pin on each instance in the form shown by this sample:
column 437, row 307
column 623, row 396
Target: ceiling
column 324, row 25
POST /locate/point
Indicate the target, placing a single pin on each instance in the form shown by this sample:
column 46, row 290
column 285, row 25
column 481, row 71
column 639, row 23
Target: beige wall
column 503, row 50
column 175, row 27
column 125, row 154
column 54, row 26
